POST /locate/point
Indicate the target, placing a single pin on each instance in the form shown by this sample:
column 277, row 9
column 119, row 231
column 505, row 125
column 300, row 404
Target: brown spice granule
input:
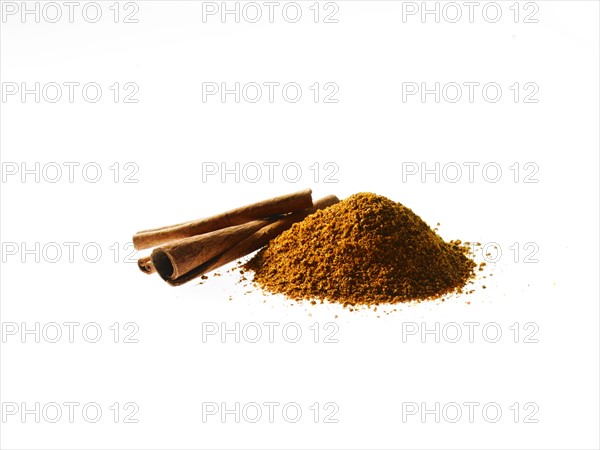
column 365, row 250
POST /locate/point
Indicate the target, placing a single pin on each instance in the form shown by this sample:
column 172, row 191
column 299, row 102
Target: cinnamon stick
column 251, row 243
column 296, row 201
column 145, row 265
column 177, row 258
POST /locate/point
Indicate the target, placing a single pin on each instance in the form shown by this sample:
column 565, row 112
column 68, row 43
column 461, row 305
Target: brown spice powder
column 365, row 250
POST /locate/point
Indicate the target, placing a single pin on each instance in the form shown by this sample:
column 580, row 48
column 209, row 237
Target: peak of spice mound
column 365, row 250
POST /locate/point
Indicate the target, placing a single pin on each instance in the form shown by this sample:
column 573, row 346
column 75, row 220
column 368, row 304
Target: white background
column 369, row 134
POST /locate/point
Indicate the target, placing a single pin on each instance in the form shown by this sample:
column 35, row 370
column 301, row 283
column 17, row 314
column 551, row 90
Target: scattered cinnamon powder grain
column 365, row 250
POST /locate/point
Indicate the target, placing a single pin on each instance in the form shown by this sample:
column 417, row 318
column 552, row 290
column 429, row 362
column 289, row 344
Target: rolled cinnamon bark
column 251, row 243
column 284, row 204
column 177, row 258
column 145, row 265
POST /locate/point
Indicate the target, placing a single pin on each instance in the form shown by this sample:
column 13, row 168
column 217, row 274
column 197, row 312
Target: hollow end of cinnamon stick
column 145, row 265
column 163, row 264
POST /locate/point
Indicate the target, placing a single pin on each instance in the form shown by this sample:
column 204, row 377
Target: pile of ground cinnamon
column 365, row 250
